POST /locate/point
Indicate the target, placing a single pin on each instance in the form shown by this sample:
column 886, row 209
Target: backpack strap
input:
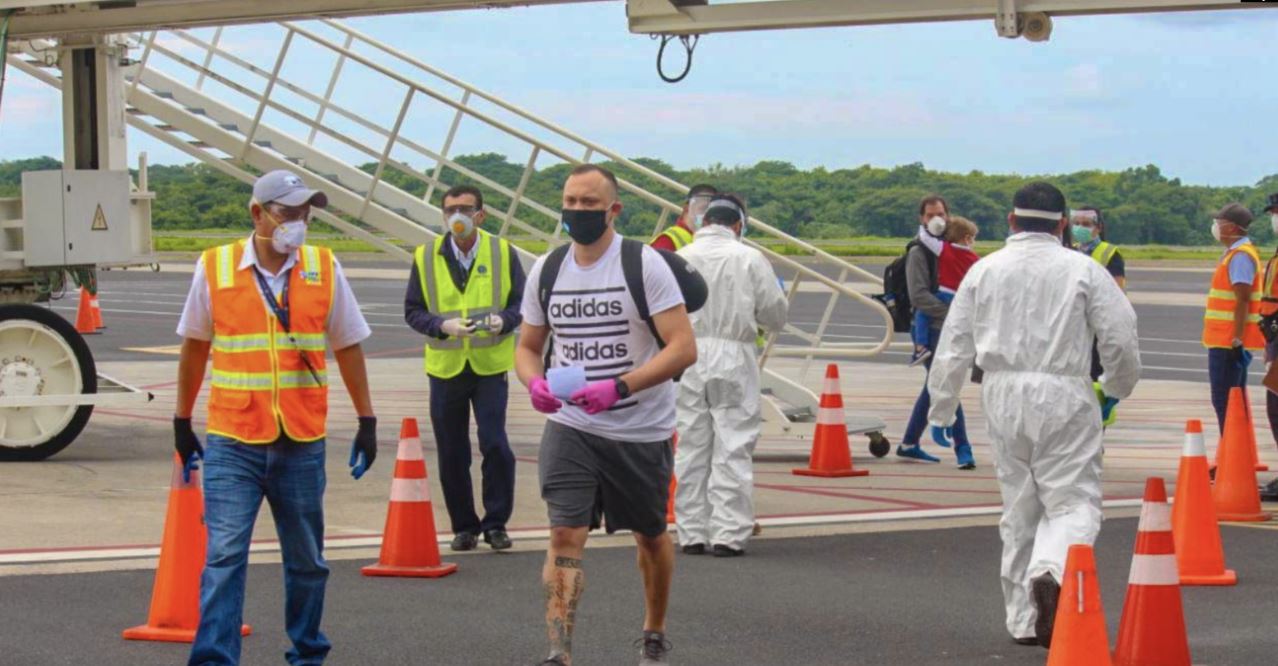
column 546, row 285
column 632, row 269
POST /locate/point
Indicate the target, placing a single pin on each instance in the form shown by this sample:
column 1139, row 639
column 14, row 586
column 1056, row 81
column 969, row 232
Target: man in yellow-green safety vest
column 679, row 234
column 464, row 295
column 1087, row 226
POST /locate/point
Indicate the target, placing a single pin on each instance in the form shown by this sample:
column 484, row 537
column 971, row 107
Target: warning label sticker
column 99, row 220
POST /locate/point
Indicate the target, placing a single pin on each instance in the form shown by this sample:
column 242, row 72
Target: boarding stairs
column 244, row 100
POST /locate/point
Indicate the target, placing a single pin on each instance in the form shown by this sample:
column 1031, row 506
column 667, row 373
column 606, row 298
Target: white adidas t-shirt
column 595, row 324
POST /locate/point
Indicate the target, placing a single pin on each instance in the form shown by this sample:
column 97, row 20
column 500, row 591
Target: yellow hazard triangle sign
column 99, row 220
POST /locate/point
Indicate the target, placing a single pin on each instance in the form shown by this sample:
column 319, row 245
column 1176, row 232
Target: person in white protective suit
column 1026, row 315
column 718, row 400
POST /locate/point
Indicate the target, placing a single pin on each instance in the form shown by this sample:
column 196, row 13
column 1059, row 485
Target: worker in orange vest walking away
column 266, row 309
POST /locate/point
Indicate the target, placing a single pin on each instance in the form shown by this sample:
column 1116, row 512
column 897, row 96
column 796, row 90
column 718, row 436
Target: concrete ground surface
column 917, row 597
column 898, row 567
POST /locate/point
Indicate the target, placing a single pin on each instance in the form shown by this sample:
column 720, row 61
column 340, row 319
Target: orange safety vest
column 1218, row 321
column 1268, row 297
column 259, row 379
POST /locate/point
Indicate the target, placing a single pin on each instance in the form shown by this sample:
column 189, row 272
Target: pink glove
column 542, row 400
column 596, row 396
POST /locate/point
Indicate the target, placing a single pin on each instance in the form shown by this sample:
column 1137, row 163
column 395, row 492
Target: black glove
column 187, row 446
column 364, row 448
column 1239, row 356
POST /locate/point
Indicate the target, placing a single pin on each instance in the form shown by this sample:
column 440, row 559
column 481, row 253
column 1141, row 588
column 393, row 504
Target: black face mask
column 585, row 226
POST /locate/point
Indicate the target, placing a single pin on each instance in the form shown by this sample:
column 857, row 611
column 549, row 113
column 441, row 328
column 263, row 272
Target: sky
column 1192, row 93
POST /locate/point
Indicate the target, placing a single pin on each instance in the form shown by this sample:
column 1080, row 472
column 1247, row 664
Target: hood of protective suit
column 744, row 295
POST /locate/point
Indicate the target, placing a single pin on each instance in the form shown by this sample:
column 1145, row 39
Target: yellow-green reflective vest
column 1103, row 252
column 677, row 235
column 487, row 291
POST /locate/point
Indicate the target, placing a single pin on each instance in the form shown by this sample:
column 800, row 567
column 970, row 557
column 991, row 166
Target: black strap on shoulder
column 931, row 261
column 545, row 286
column 632, row 269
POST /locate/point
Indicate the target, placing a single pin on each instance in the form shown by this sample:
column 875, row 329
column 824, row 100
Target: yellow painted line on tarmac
column 170, row 350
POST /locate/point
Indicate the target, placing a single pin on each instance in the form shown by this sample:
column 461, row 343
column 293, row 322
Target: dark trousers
column 918, row 416
column 451, row 401
column 1224, row 374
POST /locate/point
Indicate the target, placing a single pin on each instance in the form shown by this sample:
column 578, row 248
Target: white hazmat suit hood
column 1027, row 315
column 718, row 399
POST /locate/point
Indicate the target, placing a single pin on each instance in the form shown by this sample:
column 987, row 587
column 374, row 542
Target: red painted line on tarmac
column 158, row 386
column 878, row 473
column 807, row 490
column 910, row 490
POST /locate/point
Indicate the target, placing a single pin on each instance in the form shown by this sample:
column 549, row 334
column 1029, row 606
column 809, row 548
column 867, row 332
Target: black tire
column 879, row 445
column 88, row 380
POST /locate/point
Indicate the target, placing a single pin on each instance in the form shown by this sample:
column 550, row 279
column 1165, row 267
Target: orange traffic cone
column 1079, row 637
column 175, row 599
column 1152, row 630
column 674, row 484
column 1200, row 558
column 830, row 453
column 1254, row 449
column 85, row 324
column 409, row 546
column 97, row 311
column 1235, row 493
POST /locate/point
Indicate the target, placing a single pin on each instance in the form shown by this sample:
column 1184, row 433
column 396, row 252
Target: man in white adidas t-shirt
column 606, row 450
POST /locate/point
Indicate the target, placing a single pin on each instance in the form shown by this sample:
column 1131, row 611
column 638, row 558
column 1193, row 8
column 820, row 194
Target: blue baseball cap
column 286, row 188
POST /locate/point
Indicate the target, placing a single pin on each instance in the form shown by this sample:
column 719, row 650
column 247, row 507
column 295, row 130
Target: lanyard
column 281, row 314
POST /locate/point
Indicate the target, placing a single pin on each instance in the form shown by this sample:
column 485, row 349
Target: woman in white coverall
column 1027, row 315
column 718, row 400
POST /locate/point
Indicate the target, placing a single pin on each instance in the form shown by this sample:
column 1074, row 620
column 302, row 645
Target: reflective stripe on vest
column 1268, row 297
column 1103, row 253
column 487, row 292
column 1218, row 319
column 678, row 236
column 259, row 381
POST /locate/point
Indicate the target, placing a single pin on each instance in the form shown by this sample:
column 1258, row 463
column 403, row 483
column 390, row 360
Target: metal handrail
column 538, row 147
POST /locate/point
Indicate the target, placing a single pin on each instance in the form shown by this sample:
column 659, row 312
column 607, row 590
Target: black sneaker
column 722, row 550
column 654, row 649
column 497, row 538
column 556, row 660
column 1269, row 492
column 694, row 549
column 464, row 541
column 1045, row 592
column 1026, row 640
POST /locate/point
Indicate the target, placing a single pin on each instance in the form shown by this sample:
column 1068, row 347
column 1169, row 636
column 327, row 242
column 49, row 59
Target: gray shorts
column 585, row 477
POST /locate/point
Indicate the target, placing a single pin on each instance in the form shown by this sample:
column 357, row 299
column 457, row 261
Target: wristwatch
column 623, row 389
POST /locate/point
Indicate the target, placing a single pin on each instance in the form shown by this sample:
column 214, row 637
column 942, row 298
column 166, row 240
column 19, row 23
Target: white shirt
column 596, row 325
column 346, row 325
column 464, row 258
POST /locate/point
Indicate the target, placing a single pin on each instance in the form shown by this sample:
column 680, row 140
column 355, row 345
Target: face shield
column 697, row 205
column 724, row 212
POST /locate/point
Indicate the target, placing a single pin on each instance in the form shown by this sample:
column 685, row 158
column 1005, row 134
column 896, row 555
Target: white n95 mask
column 936, row 225
column 461, row 225
column 289, row 236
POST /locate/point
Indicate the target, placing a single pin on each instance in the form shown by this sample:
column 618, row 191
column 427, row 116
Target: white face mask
column 1273, row 220
column 936, row 226
column 289, row 236
column 462, row 226
column 1215, row 230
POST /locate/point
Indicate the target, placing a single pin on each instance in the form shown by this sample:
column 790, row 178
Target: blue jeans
column 1224, row 375
column 290, row 476
column 450, row 404
column 918, row 417
column 922, row 332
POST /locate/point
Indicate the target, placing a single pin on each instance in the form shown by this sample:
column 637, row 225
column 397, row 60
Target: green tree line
column 1141, row 205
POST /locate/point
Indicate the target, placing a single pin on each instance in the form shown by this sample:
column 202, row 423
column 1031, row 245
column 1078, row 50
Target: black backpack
column 896, row 290
column 691, row 284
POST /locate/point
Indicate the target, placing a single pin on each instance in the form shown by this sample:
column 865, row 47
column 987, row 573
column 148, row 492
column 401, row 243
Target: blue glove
column 364, row 448
column 942, row 436
column 1107, row 410
column 1240, row 356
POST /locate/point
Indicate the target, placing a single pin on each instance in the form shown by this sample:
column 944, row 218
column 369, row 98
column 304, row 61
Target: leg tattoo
column 563, row 587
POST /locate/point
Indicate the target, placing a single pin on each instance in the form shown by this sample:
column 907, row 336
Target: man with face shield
column 1231, row 323
column 1027, row 314
column 605, row 386
column 266, row 309
column 464, row 295
column 680, row 233
column 718, row 400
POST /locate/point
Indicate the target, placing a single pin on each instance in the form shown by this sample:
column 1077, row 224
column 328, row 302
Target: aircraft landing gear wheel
column 41, row 354
column 879, row 445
